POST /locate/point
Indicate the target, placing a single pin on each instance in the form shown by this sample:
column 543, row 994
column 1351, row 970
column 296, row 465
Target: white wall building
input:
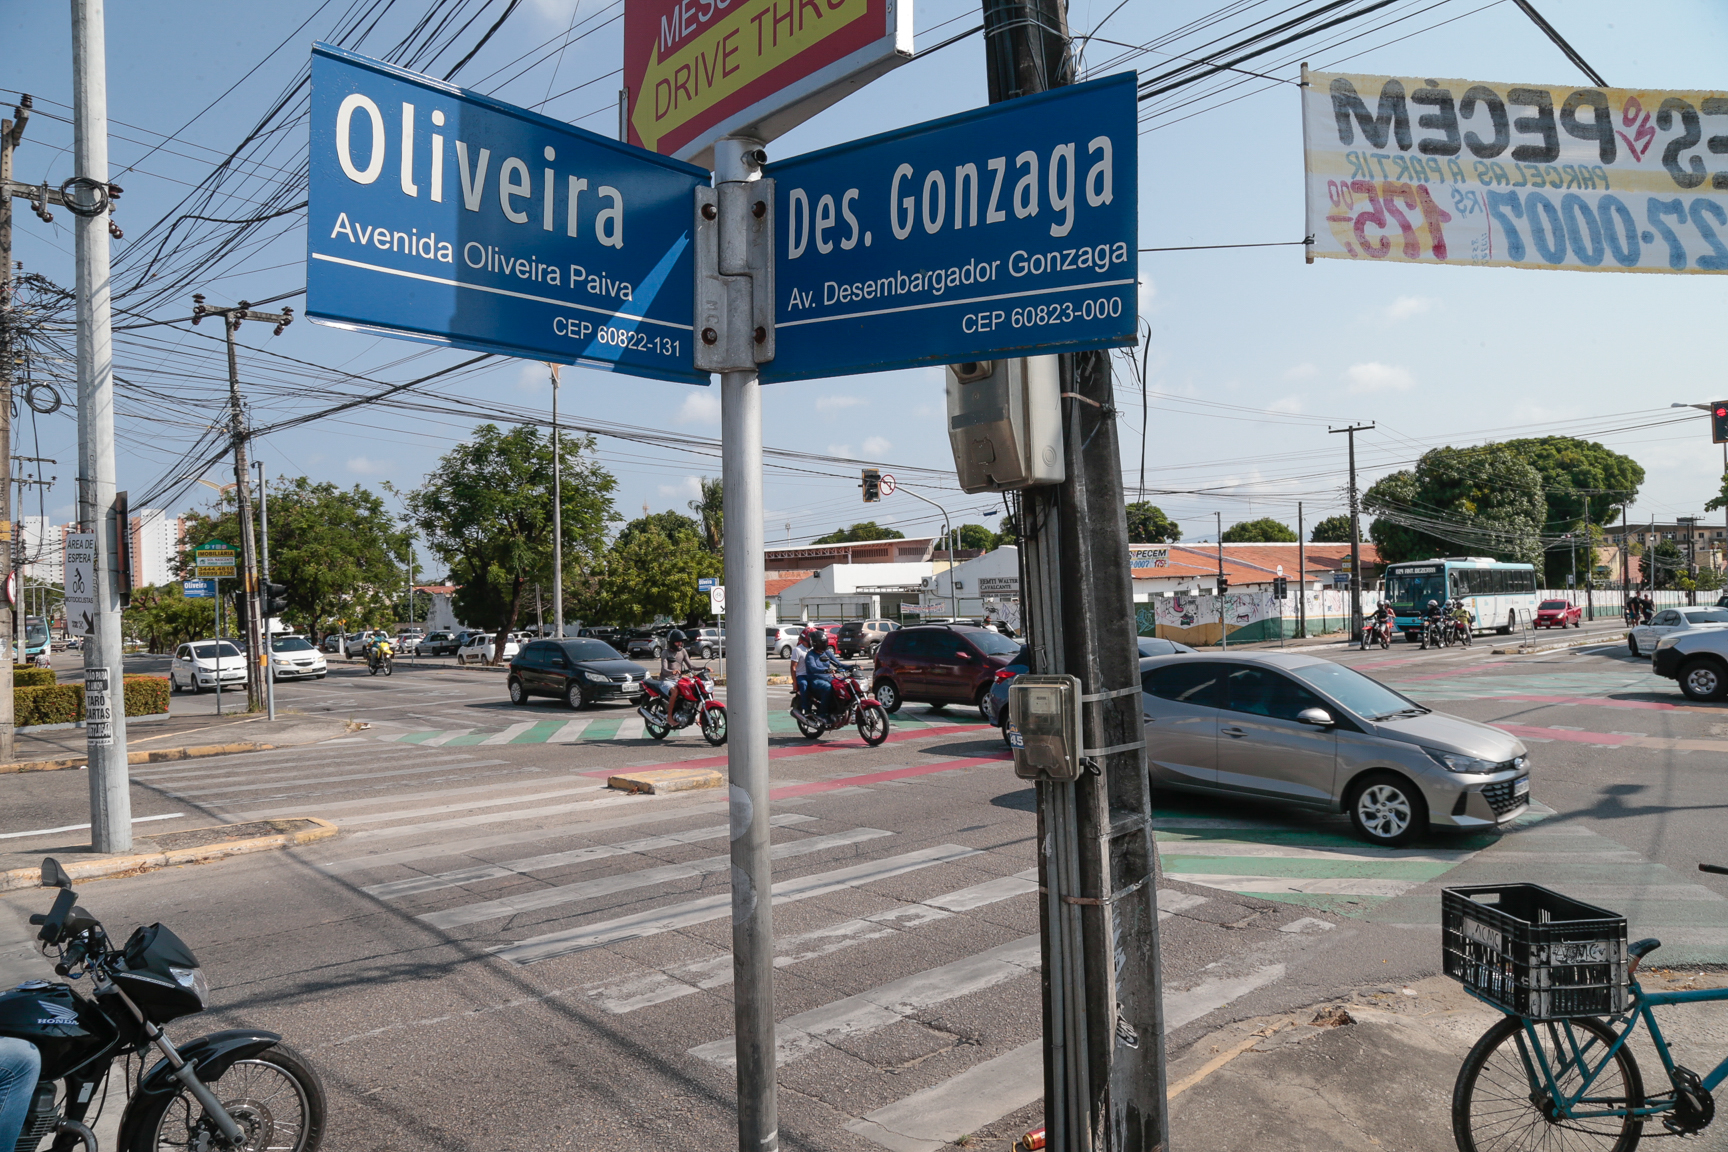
column 851, row 592
column 156, row 541
column 987, row 585
column 44, row 550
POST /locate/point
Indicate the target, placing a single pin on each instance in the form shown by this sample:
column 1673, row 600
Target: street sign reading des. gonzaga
column 1009, row 230
column 442, row 215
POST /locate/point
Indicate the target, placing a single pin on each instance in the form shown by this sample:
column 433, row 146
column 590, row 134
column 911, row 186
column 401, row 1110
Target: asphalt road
column 500, row 953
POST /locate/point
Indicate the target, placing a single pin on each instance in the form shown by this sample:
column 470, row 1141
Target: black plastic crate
column 1530, row 951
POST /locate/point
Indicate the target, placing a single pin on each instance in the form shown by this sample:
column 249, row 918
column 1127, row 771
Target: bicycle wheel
column 1495, row 1110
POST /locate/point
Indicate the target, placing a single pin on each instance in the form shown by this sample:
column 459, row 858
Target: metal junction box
column 1045, row 710
column 1005, row 423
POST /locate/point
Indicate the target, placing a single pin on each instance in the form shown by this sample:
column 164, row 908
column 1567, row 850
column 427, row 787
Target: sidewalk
column 178, row 733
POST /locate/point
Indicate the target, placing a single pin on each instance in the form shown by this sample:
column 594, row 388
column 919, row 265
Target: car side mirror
column 1318, row 717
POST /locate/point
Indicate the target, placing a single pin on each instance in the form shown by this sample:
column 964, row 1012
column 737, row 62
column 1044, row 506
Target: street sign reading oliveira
column 1010, row 230
column 441, row 215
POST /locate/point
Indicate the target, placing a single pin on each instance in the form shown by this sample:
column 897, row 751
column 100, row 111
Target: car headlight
column 1667, row 642
column 596, row 677
column 1458, row 762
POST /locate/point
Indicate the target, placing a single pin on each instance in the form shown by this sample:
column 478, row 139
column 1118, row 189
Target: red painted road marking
column 796, row 750
column 1566, row 734
column 1606, row 702
column 890, row 774
column 1451, row 675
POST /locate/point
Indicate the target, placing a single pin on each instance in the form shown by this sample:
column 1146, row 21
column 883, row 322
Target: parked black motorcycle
column 239, row 1090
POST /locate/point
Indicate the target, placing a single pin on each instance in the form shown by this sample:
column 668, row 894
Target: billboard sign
column 696, row 70
column 1009, row 230
column 1141, row 556
column 441, row 215
column 1415, row 170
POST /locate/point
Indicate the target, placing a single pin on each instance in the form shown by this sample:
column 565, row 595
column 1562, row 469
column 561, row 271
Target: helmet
column 675, row 637
column 809, row 636
column 1433, row 603
column 820, row 641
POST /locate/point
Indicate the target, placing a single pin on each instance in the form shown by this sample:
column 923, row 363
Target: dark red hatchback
column 940, row 664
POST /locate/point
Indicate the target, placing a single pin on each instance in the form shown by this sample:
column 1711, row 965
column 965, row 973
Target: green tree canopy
column 651, row 571
column 1720, row 500
column 1332, row 530
column 163, row 618
column 868, row 530
column 1484, row 501
column 486, row 511
column 1666, row 562
column 975, row 536
column 1147, row 524
column 1578, row 477
column 339, row 552
column 1262, row 531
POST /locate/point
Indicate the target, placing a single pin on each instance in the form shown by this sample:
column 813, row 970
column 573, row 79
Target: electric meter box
column 1045, row 711
column 1005, row 423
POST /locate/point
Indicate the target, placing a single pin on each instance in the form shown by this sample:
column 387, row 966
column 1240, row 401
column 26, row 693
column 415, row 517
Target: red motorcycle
column 692, row 702
column 847, row 703
column 1376, row 631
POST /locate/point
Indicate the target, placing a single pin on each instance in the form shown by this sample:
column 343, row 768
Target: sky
column 1251, row 355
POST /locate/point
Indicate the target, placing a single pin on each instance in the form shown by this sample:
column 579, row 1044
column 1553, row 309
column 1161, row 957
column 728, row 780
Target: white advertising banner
column 1417, row 170
column 80, row 583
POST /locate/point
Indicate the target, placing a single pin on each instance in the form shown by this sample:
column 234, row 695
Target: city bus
column 35, row 637
column 1498, row 595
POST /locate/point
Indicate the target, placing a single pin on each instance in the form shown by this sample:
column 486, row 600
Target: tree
column 670, row 525
column 1332, row 530
column 1009, row 533
column 651, row 572
column 868, row 530
column 710, row 508
column 975, row 536
column 1578, row 476
column 339, row 552
column 1720, row 500
column 163, row 618
column 1475, row 501
column 486, row 511
column 1262, row 531
column 1147, row 524
column 1667, row 564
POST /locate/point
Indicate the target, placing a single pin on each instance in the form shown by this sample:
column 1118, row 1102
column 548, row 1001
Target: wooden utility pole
column 257, row 643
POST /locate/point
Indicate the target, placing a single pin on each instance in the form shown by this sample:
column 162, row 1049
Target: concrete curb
column 1577, row 642
column 158, row 756
column 661, row 780
column 115, row 867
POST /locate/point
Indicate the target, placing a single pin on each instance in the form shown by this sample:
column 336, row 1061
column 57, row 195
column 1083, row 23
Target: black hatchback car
column 579, row 672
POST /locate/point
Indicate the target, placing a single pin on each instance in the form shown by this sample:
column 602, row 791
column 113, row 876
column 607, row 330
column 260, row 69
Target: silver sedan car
column 1306, row 731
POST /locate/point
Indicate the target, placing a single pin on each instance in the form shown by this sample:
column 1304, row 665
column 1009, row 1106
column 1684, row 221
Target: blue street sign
column 440, row 215
column 1010, row 230
column 198, row 589
column 703, row 583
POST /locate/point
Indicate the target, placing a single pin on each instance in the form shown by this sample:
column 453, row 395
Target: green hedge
column 64, row 703
column 32, row 677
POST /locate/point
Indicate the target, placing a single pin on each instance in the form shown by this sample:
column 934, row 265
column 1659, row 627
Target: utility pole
column 1104, row 1070
column 1689, row 524
column 263, row 595
column 1223, row 623
column 1355, row 532
column 11, row 132
column 87, row 198
column 256, row 646
column 1301, row 576
column 557, row 519
column 1589, row 566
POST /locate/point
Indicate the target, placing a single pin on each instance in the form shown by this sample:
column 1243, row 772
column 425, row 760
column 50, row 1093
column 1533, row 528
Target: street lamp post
column 953, row 597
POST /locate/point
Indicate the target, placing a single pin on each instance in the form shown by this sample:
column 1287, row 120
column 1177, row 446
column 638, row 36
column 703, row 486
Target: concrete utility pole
column 1355, row 532
column 1223, row 624
column 264, row 579
column 1301, row 576
column 11, row 132
column 87, row 198
column 1689, row 525
column 1103, row 999
column 557, row 519
column 256, row 645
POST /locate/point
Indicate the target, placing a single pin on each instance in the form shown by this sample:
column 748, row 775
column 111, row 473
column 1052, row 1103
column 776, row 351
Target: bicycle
column 1558, row 1072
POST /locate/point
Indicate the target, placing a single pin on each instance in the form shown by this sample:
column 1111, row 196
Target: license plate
column 1521, row 787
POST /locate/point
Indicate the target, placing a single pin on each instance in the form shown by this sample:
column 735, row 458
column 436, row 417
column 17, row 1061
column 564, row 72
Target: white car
column 197, row 665
column 783, row 639
column 408, row 641
column 292, row 658
column 1641, row 641
column 478, row 649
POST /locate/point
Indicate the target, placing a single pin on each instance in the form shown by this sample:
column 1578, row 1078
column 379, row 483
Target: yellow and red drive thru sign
column 696, row 70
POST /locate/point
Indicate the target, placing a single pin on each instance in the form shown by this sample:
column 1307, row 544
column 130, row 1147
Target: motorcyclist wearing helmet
column 674, row 662
column 819, row 669
column 378, row 649
column 800, row 657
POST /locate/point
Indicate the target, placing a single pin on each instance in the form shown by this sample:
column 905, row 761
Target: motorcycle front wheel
column 275, row 1097
column 714, row 726
column 873, row 724
column 657, row 726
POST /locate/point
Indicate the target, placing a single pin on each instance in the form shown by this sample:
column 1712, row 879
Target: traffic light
column 1719, row 422
column 1280, row 588
column 275, row 599
column 872, row 485
column 1223, row 583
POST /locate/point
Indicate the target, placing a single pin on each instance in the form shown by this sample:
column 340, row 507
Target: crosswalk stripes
column 618, row 725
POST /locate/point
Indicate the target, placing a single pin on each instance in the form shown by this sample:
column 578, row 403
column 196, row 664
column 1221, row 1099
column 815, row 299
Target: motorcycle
column 692, row 701
column 380, row 658
column 240, row 1090
column 1434, row 632
column 1376, row 632
column 847, row 704
column 1460, row 630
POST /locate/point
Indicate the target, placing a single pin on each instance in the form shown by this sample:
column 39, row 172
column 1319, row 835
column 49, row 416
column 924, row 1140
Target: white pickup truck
column 1698, row 659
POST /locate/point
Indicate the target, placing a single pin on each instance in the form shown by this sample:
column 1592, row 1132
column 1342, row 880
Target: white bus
column 1498, row 595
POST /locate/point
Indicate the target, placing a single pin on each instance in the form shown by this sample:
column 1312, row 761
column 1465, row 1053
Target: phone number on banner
column 1396, row 220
